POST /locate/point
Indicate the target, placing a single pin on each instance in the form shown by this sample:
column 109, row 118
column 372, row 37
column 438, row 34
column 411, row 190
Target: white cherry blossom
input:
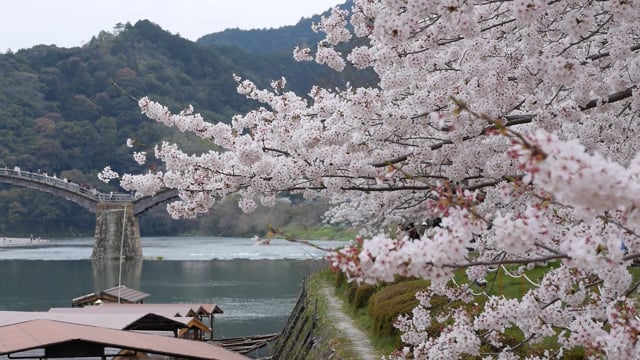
column 514, row 122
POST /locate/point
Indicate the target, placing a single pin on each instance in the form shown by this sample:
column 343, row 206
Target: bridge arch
column 113, row 231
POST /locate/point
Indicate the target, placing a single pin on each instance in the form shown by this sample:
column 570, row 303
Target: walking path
column 361, row 343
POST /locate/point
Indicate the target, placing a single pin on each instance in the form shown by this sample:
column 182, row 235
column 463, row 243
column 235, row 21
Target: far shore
column 21, row 241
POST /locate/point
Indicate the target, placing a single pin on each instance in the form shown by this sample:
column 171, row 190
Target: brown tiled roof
column 56, row 335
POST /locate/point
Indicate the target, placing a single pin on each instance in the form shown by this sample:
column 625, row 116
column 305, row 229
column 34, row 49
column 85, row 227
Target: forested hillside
column 267, row 41
column 61, row 113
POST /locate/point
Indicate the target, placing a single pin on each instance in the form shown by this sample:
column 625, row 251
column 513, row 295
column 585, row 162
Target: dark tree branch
column 509, row 261
column 285, row 153
column 606, row 54
column 620, row 95
column 399, row 159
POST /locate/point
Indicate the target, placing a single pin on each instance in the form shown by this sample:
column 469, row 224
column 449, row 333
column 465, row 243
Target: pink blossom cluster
column 513, row 122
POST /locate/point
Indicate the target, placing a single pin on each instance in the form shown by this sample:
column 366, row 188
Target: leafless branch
column 292, row 239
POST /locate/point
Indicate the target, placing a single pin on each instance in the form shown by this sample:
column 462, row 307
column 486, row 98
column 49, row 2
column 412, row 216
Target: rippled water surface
column 173, row 248
column 256, row 286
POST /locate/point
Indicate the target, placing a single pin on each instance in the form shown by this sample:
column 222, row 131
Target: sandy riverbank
column 15, row 241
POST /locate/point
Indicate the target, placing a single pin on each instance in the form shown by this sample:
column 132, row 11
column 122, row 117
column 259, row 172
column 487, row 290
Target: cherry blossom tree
column 514, row 122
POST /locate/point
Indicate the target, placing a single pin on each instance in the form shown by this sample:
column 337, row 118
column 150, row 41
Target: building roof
column 123, row 293
column 191, row 324
column 128, row 321
column 72, row 340
column 170, row 310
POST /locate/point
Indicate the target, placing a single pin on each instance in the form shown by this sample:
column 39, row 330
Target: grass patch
column 330, row 340
column 356, row 301
column 391, row 301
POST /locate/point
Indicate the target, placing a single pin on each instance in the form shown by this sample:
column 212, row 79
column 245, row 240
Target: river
column 255, row 285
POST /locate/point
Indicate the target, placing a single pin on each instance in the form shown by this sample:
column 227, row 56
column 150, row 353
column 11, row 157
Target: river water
column 255, row 285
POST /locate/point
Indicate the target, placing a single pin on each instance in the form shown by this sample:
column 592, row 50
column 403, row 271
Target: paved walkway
column 361, row 343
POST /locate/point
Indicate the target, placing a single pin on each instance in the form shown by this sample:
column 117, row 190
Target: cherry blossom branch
column 589, row 36
column 534, row 194
column 620, row 95
column 631, row 256
column 629, row 231
column 542, row 259
column 551, row 250
column 285, row 153
column 513, row 120
column 393, row 161
column 385, row 189
column 521, row 343
column 290, row 238
column 606, row 54
column 632, row 289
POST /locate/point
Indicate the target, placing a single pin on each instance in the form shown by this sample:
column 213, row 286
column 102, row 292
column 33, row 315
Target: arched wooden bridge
column 117, row 229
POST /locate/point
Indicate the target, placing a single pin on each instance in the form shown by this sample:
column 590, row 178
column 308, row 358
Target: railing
column 296, row 338
column 54, row 181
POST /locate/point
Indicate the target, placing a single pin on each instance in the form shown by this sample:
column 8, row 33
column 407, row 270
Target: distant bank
column 21, row 241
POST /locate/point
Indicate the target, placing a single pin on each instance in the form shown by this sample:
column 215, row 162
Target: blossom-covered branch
column 514, row 123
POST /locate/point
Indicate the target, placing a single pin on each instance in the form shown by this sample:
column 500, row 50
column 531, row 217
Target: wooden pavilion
column 117, row 294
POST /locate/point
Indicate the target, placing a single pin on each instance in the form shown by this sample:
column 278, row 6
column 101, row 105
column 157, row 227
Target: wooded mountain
column 271, row 41
column 61, row 113
column 267, row 41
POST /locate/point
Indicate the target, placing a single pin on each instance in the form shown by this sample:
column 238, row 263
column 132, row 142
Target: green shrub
column 351, row 292
column 391, row 301
column 577, row 353
column 341, row 279
column 362, row 295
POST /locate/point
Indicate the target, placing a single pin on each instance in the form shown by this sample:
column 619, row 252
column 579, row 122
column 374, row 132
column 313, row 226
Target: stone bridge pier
column 117, row 232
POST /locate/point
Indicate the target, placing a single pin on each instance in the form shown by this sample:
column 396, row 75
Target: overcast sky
column 68, row 23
